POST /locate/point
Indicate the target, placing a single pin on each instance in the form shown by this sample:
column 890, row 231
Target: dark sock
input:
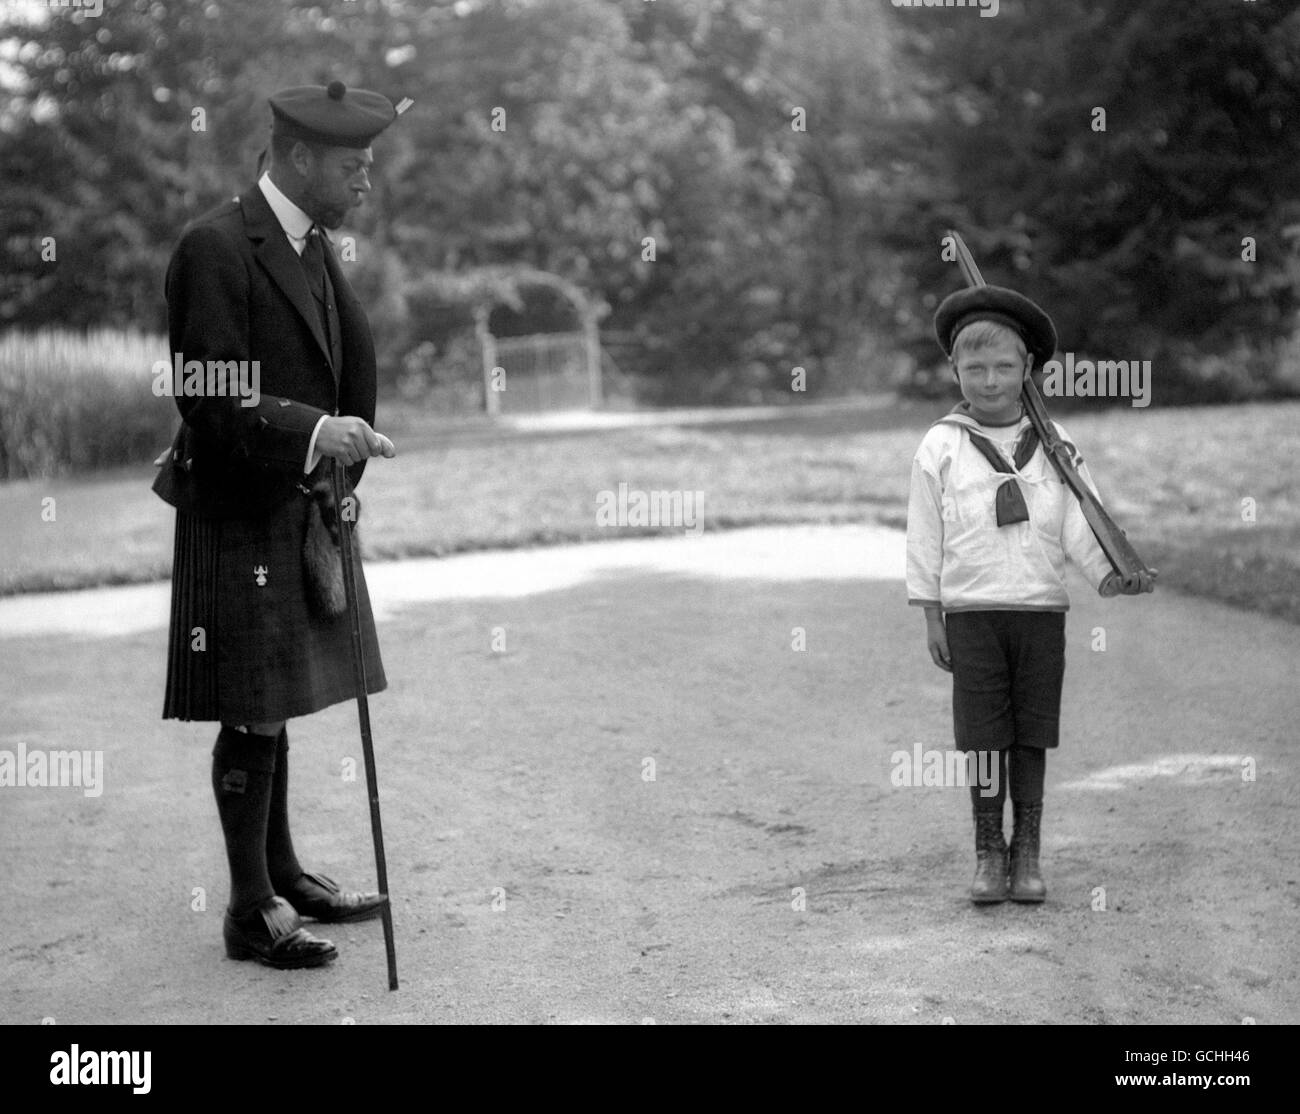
column 242, row 769
column 281, row 863
column 990, row 761
column 1028, row 769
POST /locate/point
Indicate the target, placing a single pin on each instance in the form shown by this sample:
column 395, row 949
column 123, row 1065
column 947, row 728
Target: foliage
column 74, row 402
column 1133, row 236
column 569, row 135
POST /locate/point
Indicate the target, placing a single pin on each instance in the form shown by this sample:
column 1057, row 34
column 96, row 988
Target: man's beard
column 327, row 214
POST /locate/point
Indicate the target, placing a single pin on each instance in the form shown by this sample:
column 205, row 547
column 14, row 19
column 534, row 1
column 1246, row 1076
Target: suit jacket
column 236, row 290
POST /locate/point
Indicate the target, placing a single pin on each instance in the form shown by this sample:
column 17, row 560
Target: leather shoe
column 273, row 934
column 315, row 895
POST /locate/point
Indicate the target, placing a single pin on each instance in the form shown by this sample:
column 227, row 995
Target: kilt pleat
column 262, row 654
column 191, row 691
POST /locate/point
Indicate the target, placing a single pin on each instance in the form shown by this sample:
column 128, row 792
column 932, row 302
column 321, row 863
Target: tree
column 1129, row 226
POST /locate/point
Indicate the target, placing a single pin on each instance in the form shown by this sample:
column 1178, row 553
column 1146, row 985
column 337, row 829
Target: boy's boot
column 990, row 884
column 1026, row 881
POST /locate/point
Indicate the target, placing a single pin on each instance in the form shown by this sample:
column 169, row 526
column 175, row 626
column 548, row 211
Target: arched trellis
column 483, row 289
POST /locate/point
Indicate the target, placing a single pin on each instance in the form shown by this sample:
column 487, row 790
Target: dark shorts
column 245, row 646
column 1007, row 671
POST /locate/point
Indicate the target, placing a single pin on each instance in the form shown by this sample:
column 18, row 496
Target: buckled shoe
column 318, row 896
column 273, row 934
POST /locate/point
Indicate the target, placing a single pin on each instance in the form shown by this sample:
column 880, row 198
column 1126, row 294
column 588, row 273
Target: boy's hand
column 1133, row 585
column 936, row 641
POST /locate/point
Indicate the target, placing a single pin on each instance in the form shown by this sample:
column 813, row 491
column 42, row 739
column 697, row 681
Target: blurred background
column 636, row 204
column 780, row 238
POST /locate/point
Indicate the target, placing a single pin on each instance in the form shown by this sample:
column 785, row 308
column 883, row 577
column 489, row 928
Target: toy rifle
column 1114, row 542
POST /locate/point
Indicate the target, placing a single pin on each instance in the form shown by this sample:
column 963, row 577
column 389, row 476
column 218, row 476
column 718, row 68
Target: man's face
column 336, row 181
column 990, row 379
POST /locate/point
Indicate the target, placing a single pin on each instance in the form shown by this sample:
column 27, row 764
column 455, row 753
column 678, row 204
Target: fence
column 545, row 371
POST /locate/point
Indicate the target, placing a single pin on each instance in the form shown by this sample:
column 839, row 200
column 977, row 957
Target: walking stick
column 363, row 714
column 1114, row 542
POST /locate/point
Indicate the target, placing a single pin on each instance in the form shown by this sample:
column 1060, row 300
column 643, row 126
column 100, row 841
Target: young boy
column 989, row 527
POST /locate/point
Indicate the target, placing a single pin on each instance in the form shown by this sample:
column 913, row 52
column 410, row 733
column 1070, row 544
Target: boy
column 989, row 527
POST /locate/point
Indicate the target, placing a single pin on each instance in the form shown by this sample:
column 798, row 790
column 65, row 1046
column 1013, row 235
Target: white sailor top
column 960, row 559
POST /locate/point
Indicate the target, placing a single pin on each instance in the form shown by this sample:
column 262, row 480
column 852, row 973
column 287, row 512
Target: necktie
column 313, row 263
column 1010, row 501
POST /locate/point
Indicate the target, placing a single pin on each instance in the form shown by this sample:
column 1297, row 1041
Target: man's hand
column 936, row 640
column 1134, row 585
column 351, row 440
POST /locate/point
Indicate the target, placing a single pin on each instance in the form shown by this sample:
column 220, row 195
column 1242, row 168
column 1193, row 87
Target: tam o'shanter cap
column 332, row 114
column 1006, row 307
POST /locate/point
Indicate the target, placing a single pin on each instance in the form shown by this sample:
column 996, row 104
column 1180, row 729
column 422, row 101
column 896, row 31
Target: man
column 250, row 646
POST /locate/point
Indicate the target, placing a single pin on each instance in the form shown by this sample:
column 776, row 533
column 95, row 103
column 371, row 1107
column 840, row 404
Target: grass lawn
column 1175, row 479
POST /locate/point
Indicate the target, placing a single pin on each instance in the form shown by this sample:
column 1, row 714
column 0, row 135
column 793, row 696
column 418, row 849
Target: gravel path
column 769, row 872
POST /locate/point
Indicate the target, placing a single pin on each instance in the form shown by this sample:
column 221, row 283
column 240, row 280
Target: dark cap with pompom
column 332, row 114
column 1006, row 307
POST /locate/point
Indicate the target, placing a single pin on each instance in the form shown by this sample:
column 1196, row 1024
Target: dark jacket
column 236, row 290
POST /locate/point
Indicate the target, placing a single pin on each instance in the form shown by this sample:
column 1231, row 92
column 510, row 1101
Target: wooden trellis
column 543, row 371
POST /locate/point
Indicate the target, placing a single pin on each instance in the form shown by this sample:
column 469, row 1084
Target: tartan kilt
column 265, row 654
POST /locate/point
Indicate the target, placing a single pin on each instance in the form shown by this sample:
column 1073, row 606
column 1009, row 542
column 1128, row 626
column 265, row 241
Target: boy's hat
column 332, row 114
column 1006, row 307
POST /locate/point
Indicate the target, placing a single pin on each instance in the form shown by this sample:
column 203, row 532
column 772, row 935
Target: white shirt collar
column 293, row 220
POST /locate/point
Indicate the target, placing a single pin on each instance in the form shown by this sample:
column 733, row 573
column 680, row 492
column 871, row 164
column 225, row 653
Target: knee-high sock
column 281, row 862
column 242, row 770
column 1028, row 769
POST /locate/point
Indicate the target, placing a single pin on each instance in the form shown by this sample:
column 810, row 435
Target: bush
column 443, row 378
column 73, row 402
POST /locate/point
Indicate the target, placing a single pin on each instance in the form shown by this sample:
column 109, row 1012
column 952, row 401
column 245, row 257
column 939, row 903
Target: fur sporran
column 322, row 557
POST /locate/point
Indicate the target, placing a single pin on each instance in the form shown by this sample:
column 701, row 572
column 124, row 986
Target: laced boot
column 1026, row 881
column 990, row 884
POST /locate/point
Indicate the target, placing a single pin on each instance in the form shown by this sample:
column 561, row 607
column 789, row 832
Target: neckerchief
column 1010, row 500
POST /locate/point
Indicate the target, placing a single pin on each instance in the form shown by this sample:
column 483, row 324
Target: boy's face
column 990, row 379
